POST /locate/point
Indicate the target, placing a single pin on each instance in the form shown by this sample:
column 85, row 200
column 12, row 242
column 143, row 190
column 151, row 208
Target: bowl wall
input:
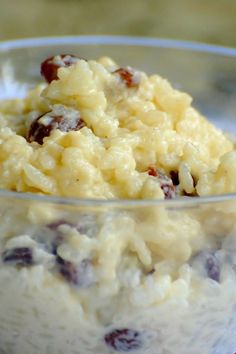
column 107, row 277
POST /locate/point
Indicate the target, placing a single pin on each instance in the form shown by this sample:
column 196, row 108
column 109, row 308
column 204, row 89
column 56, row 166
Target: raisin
column 212, row 266
column 128, row 76
column 207, row 264
column 80, row 274
column 50, row 66
column 152, row 171
column 165, row 182
column 61, row 117
column 123, row 340
column 21, row 256
column 175, row 177
column 68, row 270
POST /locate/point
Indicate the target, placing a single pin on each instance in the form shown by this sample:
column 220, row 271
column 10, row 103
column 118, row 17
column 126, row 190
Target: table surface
column 199, row 20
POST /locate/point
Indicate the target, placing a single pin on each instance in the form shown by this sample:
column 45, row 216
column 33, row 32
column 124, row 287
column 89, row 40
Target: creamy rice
column 126, row 130
column 147, row 280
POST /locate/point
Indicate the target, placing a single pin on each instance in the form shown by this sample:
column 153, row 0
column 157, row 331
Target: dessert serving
column 97, row 254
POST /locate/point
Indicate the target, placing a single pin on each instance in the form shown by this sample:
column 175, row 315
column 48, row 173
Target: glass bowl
column 113, row 276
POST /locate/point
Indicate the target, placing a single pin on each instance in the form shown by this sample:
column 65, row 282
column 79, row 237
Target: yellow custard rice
column 100, row 131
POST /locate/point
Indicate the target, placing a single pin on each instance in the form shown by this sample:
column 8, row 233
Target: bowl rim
column 176, row 203
column 117, row 40
column 37, row 42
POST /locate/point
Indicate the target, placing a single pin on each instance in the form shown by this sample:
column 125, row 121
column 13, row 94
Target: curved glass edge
column 117, row 40
column 181, row 202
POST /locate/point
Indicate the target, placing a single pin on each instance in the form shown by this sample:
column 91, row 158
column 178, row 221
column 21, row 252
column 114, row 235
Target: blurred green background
column 211, row 21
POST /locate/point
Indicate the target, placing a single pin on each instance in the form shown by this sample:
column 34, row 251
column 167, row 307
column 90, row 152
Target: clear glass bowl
column 147, row 276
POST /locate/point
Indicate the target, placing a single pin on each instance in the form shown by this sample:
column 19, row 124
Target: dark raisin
column 213, row 267
column 207, row 264
column 21, row 256
column 76, row 274
column 152, row 171
column 128, row 76
column 165, row 182
column 124, row 340
column 61, row 117
column 175, row 177
column 68, row 270
column 50, row 66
